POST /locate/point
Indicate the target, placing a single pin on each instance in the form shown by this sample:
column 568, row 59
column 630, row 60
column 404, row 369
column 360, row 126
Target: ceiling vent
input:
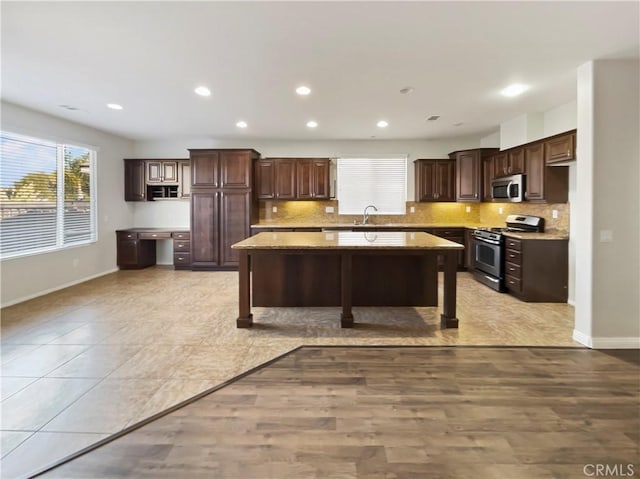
column 433, row 117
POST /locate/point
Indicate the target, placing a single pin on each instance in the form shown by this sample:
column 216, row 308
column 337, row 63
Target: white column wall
column 608, row 201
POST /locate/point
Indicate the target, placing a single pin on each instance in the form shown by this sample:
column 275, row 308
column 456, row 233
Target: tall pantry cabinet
column 222, row 205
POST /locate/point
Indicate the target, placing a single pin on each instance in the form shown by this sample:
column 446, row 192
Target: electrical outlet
column 412, row 209
column 554, row 214
column 500, row 210
column 328, row 209
column 606, row 236
column 274, row 209
column 468, row 209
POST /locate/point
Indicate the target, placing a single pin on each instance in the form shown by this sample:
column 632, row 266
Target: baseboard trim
column 57, row 288
column 606, row 343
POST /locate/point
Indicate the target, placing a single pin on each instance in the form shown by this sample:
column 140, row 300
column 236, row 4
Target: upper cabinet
column 469, row 167
column 544, row 183
column 561, row 148
column 292, row 178
column 148, row 180
column 435, row 180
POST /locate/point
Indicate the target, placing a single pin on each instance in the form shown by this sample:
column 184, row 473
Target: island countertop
column 347, row 240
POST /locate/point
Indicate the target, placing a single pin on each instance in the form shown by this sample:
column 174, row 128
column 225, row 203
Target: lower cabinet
column 133, row 252
column 469, row 250
column 181, row 250
column 537, row 270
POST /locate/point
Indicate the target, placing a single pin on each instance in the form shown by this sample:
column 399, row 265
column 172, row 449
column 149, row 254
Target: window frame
column 61, row 145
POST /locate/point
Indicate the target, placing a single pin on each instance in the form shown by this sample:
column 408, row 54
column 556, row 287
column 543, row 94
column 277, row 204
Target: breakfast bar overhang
column 295, row 269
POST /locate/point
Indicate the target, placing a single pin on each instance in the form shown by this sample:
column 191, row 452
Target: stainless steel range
column 489, row 248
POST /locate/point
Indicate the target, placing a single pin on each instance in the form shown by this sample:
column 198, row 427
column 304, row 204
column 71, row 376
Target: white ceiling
column 356, row 56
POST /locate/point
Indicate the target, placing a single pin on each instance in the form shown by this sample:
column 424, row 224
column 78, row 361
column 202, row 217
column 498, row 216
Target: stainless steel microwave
column 509, row 188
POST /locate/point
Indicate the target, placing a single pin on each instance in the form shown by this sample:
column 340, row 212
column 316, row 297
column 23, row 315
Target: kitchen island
column 289, row 269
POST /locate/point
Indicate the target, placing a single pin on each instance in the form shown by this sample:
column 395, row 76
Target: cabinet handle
column 129, row 236
column 154, row 235
column 180, row 258
column 568, row 152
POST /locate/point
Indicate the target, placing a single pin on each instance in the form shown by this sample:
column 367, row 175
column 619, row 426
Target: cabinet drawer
column 182, row 259
column 512, row 269
column 513, row 256
column 127, row 235
column 181, row 235
column 155, row 236
column 513, row 284
column 181, row 246
column 511, row 243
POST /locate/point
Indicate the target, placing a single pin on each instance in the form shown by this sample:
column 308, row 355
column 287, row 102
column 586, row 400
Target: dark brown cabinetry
column 509, row 163
column 134, row 180
column 148, row 180
column 136, row 247
column 312, row 178
column 537, row 270
column 181, row 249
column 222, row 208
column 488, row 174
column 292, row 178
column 544, row 183
column 469, row 250
column 469, row 167
column 434, row 180
column 452, row 234
column 560, row 148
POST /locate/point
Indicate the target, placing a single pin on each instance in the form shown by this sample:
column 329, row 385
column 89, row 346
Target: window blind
column 381, row 182
column 46, row 199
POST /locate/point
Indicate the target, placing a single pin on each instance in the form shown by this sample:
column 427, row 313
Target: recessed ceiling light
column 382, row 124
column 114, row 106
column 203, row 91
column 458, row 124
column 312, row 124
column 303, row 90
column 406, row 90
column 433, row 117
column 514, row 90
column 241, row 124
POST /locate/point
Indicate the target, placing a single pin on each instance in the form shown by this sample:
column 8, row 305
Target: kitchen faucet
column 365, row 216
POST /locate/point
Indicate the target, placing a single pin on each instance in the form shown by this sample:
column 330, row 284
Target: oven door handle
column 485, row 240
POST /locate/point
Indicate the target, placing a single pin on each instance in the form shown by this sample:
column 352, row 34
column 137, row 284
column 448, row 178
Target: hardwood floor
column 88, row 361
column 370, row 412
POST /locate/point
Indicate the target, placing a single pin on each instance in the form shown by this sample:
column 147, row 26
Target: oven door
column 489, row 257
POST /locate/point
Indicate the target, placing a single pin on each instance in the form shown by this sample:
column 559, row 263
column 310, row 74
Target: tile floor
column 85, row 362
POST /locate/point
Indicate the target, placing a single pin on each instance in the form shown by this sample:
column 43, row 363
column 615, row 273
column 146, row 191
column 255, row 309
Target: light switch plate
column 329, row 209
column 274, row 209
column 468, row 209
column 554, row 214
column 606, row 236
column 412, row 209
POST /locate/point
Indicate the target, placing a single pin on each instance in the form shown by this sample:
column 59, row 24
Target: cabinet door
column 516, row 162
column 425, row 180
column 320, row 180
column 154, row 172
column 265, row 179
column 204, row 228
column 501, row 164
column 488, row 173
column 235, row 169
column 134, row 184
column 169, row 171
column 304, row 179
column 235, row 224
column 561, row 148
column 184, row 177
column 444, row 186
column 205, row 169
column 469, row 250
column 285, row 178
column 468, row 176
column 535, row 169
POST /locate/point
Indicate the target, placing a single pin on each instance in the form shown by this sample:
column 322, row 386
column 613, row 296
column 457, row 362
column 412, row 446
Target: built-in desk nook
column 136, row 247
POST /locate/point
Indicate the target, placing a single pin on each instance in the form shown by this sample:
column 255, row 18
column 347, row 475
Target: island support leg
column 448, row 317
column 346, row 318
column 245, row 318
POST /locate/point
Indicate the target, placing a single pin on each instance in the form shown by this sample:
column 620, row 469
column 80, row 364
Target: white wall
column 491, row 141
column 30, row 276
column 522, row 129
column 608, row 271
column 561, row 119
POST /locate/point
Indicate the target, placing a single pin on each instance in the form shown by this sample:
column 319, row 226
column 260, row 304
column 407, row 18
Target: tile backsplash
column 487, row 214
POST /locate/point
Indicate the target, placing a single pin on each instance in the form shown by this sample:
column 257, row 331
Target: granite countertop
column 347, row 240
column 369, row 225
column 177, row 229
column 536, row 236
